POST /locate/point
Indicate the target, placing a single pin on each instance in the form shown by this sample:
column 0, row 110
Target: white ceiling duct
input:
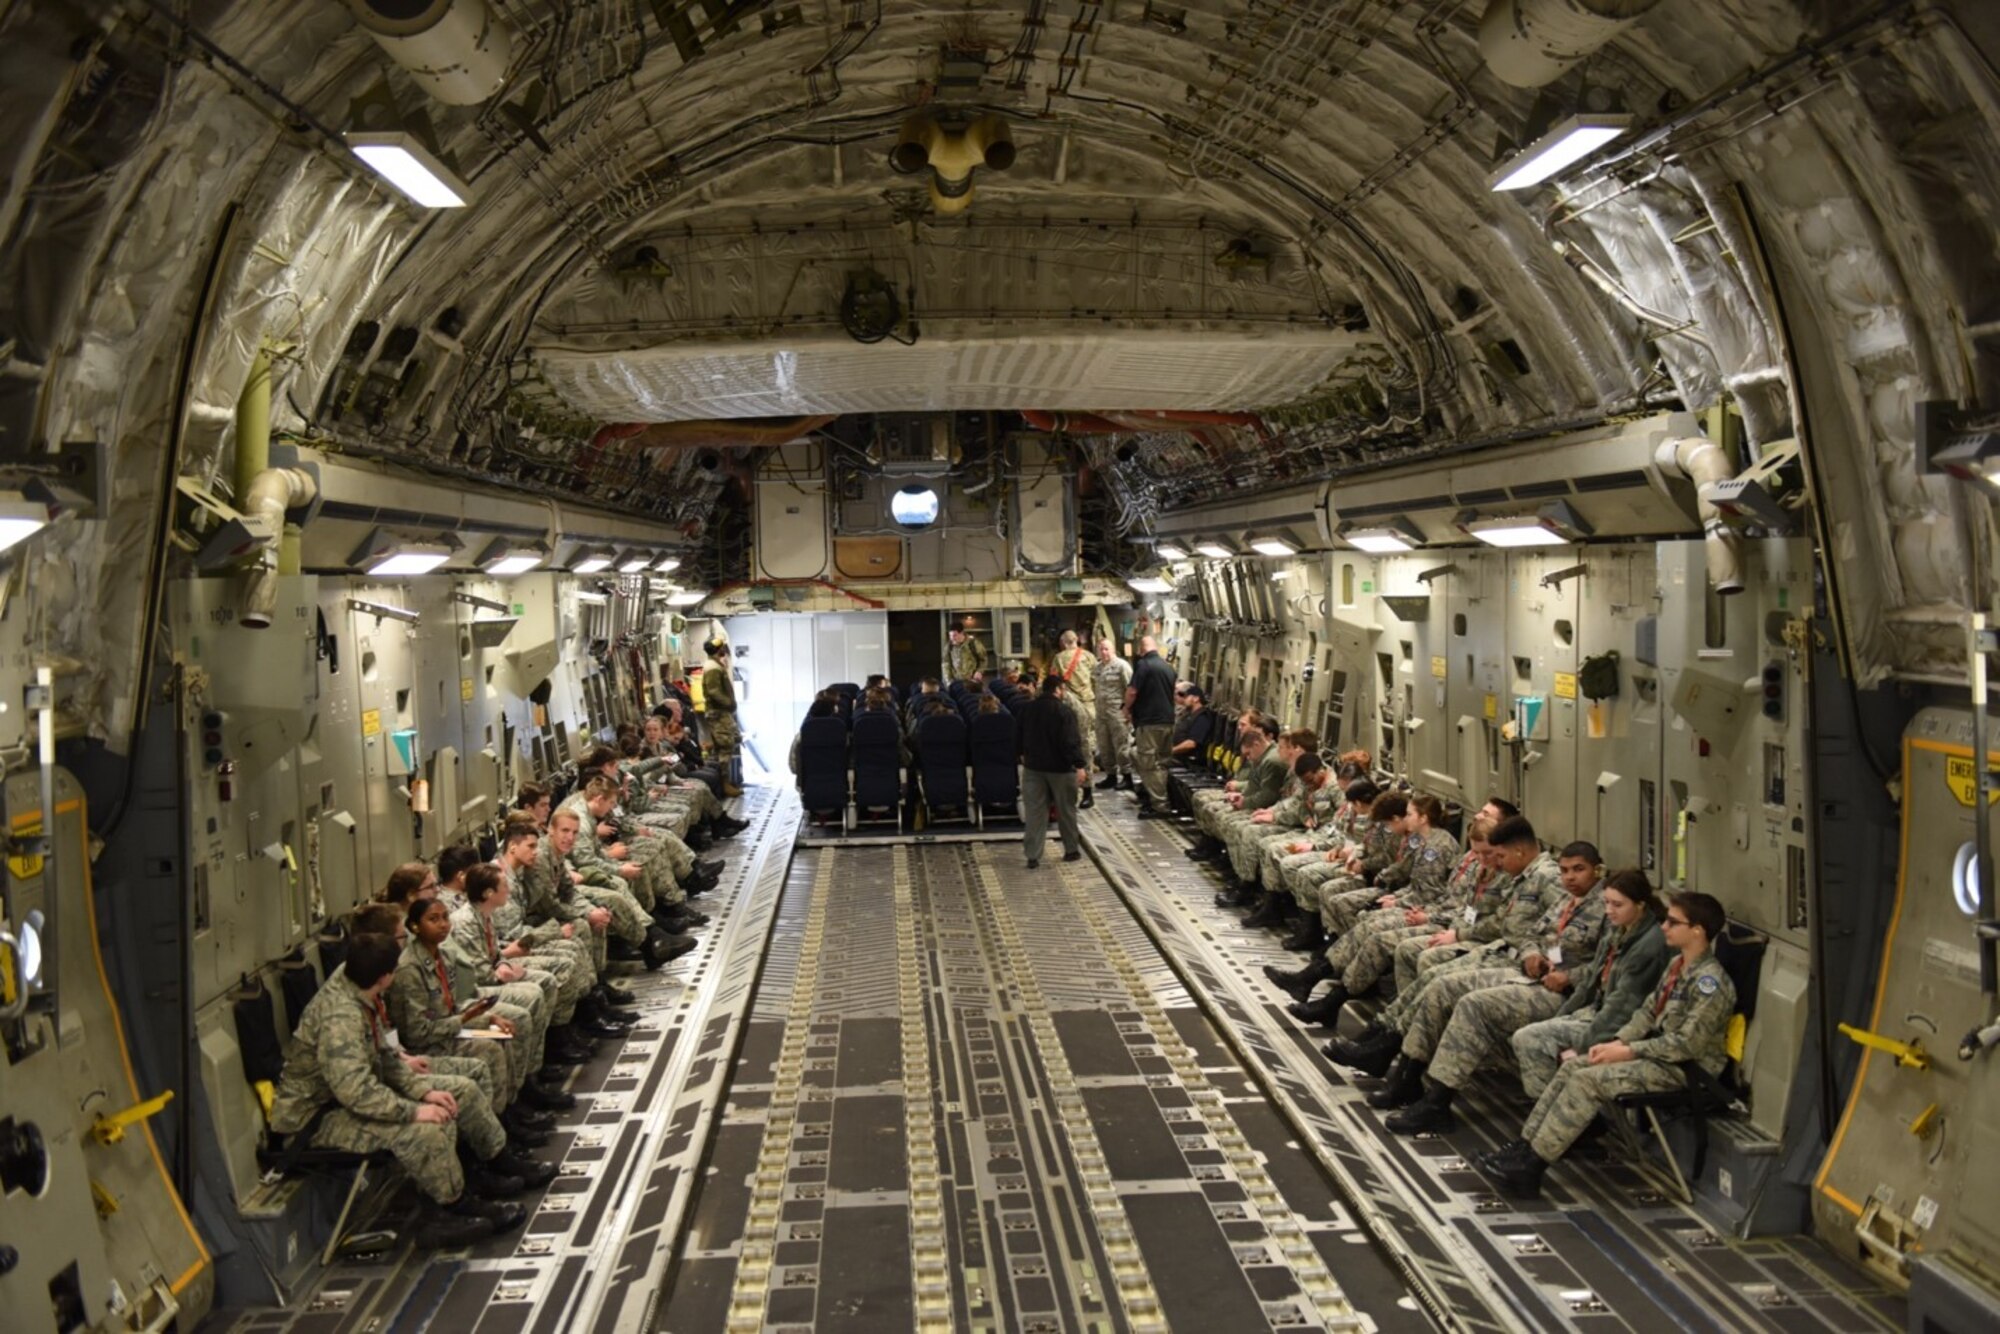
column 457, row 50
column 1532, row 43
column 1227, row 368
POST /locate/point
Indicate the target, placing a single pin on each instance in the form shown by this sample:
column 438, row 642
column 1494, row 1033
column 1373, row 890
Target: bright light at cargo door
column 1965, row 879
column 914, row 507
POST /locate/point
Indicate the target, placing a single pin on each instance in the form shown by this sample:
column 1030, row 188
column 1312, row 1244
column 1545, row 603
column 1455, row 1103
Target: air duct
column 1532, row 43
column 458, row 51
column 1703, row 462
column 264, row 493
column 952, row 155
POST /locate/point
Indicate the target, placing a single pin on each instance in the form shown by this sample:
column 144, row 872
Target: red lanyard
column 486, row 926
column 1562, row 922
column 444, row 984
column 378, row 1019
column 1604, row 978
column 1667, row 986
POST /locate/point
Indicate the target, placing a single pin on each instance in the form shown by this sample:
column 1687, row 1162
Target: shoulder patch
column 1430, row 854
column 1707, row 984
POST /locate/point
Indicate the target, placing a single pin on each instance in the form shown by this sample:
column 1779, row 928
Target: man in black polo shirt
column 1049, row 740
column 1149, row 700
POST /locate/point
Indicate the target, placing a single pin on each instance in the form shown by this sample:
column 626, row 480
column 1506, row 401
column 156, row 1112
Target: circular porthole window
column 914, row 507
column 1965, row 879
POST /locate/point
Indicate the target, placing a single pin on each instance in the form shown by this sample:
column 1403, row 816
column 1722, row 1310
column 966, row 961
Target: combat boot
column 1322, row 1010
column 499, row 1215
column 1203, row 848
column 728, row 826
column 443, row 1227
column 533, row 1172
column 487, row 1181
column 1124, row 782
column 1300, row 982
column 1519, row 1176
column 1310, row 935
column 698, row 840
column 662, row 948
column 1428, row 1115
column 1270, row 913
column 519, row 1132
column 531, row 1118
column 1371, row 1053
column 536, row 1094
column 1506, row 1153
column 1109, row 784
column 1404, row 1085
column 610, row 993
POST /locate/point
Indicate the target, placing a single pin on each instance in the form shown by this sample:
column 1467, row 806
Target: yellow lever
column 1910, row 1054
column 111, row 1129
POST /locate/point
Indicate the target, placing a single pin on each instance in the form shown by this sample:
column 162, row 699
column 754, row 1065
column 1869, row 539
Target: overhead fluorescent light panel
column 1273, row 544
column 1214, row 548
column 402, row 160
column 1170, row 551
column 1567, row 143
column 590, row 560
column 1149, row 586
column 1398, row 535
column 633, row 562
column 686, row 597
column 1555, row 524
column 20, row 519
column 503, row 557
column 387, row 555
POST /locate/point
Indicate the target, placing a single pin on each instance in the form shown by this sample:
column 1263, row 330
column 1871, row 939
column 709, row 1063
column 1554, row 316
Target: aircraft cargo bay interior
column 999, row 665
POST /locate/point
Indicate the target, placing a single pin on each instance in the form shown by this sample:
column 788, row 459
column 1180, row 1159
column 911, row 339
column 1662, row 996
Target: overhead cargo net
column 1124, row 370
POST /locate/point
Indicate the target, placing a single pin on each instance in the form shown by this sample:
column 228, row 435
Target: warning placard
column 1963, row 781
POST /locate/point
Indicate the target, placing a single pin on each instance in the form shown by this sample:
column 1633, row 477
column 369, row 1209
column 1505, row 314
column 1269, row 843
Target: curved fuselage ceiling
column 688, row 212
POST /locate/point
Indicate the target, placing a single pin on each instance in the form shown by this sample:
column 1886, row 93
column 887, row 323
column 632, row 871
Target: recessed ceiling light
column 1568, row 143
column 401, row 160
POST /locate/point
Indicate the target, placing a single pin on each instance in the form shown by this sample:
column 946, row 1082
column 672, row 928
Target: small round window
column 914, row 507
column 1965, row 879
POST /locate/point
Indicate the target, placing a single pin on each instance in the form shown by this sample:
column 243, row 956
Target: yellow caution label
column 1438, row 668
column 465, row 688
column 1492, row 708
column 8, row 994
column 1565, row 685
column 1963, row 781
column 28, row 866
column 371, row 722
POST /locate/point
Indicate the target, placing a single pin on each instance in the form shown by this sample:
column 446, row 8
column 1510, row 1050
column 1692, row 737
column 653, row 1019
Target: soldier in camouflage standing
column 1686, row 1019
column 964, row 656
column 1108, row 680
column 1076, row 668
column 718, row 711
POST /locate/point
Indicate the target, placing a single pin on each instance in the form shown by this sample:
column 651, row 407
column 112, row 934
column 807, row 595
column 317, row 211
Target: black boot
column 1428, row 1115
column 611, row 994
column 487, row 1181
column 1125, row 782
column 1110, row 782
column 566, row 1046
column 1404, row 1085
column 1371, row 1053
column 498, row 1215
column 548, row 1099
column 698, row 840
column 1507, row 1153
column 528, row 1116
column 1204, row 848
column 1245, row 896
column 1301, row 981
column 532, row 1171
column 1519, row 1176
column 520, row 1132
column 593, row 1022
column 1324, row 1010
column 621, row 950
column 449, row 1226
column 662, row 948
column 1270, row 913
column 1310, row 935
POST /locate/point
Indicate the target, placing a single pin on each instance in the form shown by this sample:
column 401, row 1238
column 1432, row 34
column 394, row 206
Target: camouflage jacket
column 1567, row 931
column 1625, row 969
column 1346, row 827
column 1264, row 784
column 515, row 921
column 1313, row 812
column 588, row 854
column 340, row 1055
column 1510, row 921
column 1686, row 1018
column 1424, row 866
column 425, row 1006
column 544, row 891
column 475, row 939
column 1380, row 847
column 718, row 687
column 1470, row 885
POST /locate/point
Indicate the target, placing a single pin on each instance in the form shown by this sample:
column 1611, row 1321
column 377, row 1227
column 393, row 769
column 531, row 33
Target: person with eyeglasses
column 1686, row 1019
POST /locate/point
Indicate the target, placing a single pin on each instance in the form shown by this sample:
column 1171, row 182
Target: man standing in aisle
column 1053, row 768
column 1075, row 668
column 964, row 657
column 1114, row 734
column 1149, row 704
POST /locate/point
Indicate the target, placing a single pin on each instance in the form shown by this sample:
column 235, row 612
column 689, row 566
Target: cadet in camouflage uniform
column 598, row 882
column 345, row 1088
column 1348, row 869
column 1468, row 1014
column 1685, row 1019
column 1360, row 958
column 666, row 865
column 1077, row 669
column 1423, row 867
column 1108, row 680
column 513, row 981
column 1345, row 830
column 1244, row 832
column 548, row 943
column 1631, row 955
column 591, row 803
column 429, row 999
column 1293, row 825
column 718, row 711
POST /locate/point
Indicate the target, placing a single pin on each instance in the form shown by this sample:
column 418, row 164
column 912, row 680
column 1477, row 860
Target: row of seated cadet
column 377, row 1047
column 878, row 757
column 1616, row 1008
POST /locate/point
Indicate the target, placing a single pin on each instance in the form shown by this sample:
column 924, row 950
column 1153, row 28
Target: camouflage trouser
column 1246, row 840
column 1482, row 1025
column 663, row 861
column 487, row 1072
column 568, row 962
column 1211, row 805
column 521, row 1004
column 1580, row 1090
column 628, row 919
column 1430, row 1012
column 1414, row 959
column 1343, row 903
column 1538, row 1047
column 1363, row 955
column 1114, row 741
column 677, row 819
column 1086, row 718
column 725, row 736
column 1271, row 859
column 1294, row 871
column 429, row 1154
column 1426, row 966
